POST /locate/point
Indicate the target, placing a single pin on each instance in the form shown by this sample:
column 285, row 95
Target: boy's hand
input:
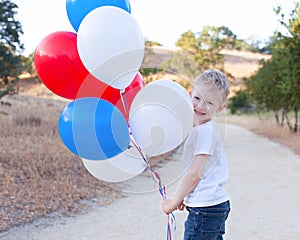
column 168, row 206
column 181, row 206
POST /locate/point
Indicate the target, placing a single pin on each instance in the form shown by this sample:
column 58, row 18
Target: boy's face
column 206, row 103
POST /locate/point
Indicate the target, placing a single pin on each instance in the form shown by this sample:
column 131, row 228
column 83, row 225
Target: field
column 39, row 176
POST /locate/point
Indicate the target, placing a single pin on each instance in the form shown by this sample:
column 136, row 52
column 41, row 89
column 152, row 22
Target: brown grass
column 242, row 64
column 38, row 174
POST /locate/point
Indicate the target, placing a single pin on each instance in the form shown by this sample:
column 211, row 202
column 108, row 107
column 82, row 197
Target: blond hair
column 216, row 80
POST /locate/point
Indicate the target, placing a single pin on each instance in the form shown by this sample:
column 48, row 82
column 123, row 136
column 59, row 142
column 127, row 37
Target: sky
column 162, row 21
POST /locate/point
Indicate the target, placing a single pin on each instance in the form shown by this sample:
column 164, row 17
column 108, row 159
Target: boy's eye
column 197, row 98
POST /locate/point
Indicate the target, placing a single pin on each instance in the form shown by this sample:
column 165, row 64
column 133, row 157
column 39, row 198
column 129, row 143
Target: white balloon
column 161, row 117
column 122, row 167
column 111, row 45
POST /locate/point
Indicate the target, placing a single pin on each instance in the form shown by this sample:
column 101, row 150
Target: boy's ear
column 221, row 108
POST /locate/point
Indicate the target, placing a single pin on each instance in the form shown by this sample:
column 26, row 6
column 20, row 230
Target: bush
column 240, row 103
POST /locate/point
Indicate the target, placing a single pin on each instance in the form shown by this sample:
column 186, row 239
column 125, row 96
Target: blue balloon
column 78, row 9
column 93, row 128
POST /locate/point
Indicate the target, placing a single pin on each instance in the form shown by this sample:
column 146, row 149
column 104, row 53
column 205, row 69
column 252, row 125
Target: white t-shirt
column 204, row 139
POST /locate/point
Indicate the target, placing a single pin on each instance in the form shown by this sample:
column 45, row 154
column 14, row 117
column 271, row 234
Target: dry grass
column 38, row 174
column 242, row 64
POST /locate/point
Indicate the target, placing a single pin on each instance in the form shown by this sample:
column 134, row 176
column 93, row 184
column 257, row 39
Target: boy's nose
column 201, row 104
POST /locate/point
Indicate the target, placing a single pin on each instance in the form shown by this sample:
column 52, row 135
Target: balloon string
column 124, row 102
column 171, row 226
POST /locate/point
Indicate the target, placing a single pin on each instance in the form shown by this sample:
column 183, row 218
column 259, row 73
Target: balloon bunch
column 113, row 119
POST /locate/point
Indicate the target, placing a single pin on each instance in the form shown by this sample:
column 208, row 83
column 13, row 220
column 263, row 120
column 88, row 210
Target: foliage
column 198, row 52
column 276, row 85
column 218, row 38
column 148, row 71
column 201, row 51
column 10, row 45
column 152, row 43
column 240, row 103
column 28, row 65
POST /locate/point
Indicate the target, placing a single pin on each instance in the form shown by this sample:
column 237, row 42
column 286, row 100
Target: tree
column 185, row 62
column 240, row 103
column 201, row 51
column 218, row 38
column 276, row 85
column 28, row 65
column 10, row 47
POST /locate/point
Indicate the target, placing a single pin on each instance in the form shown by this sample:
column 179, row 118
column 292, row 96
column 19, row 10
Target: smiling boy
column 205, row 166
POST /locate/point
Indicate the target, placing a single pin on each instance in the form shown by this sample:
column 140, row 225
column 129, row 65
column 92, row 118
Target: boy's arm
column 189, row 182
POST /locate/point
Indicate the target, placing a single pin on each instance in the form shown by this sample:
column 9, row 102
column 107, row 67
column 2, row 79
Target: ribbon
column 171, row 224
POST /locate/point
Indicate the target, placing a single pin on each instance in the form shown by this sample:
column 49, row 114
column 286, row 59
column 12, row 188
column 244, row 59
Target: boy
column 205, row 166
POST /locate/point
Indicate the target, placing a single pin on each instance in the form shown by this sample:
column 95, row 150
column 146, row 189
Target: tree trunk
column 282, row 116
column 288, row 121
column 296, row 120
column 277, row 117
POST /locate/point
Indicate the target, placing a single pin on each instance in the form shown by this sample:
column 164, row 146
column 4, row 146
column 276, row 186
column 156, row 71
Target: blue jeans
column 206, row 223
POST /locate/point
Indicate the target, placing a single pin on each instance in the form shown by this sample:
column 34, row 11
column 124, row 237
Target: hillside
column 239, row 64
column 242, row 64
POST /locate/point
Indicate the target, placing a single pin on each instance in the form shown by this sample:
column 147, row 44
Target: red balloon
column 92, row 87
column 58, row 64
column 60, row 68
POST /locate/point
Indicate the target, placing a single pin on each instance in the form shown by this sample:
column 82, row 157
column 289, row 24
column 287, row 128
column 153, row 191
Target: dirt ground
column 263, row 187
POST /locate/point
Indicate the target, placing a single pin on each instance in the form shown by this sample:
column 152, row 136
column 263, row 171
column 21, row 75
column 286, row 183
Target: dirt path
column 263, row 186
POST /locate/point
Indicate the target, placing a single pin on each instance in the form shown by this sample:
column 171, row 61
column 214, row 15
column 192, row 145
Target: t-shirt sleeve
column 204, row 141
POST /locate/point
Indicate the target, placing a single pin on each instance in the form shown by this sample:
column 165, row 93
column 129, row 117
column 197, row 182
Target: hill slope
column 239, row 64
